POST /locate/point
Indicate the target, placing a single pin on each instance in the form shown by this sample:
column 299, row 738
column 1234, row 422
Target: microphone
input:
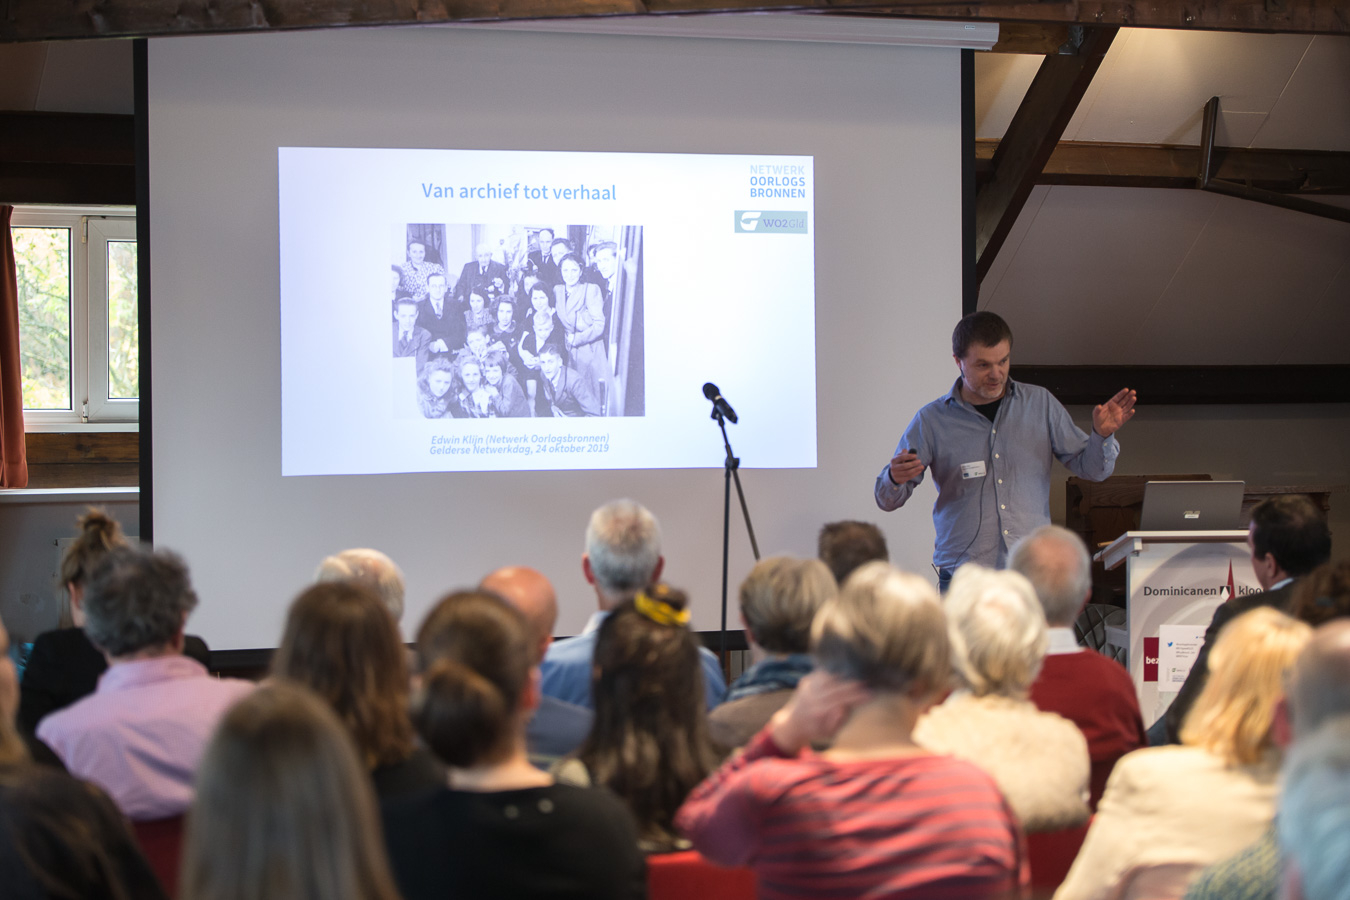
column 720, row 405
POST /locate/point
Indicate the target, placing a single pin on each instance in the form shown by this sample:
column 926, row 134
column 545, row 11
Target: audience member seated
column 59, row 837
column 502, row 828
column 1039, row 759
column 556, row 728
column 1082, row 685
column 63, row 666
column 1318, row 691
column 875, row 815
column 369, row 567
column 622, row 556
column 1288, row 537
column 1323, row 595
column 140, row 735
column 779, row 598
column 342, row 644
column 649, row 744
column 1315, row 815
column 1170, row 811
column 844, row 546
column 283, row 808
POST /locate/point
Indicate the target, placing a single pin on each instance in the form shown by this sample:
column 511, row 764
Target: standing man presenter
column 991, row 443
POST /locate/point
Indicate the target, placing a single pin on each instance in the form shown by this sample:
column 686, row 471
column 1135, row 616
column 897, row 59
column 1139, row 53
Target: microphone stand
column 731, row 472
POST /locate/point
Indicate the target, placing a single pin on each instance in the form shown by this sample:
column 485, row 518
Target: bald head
column 1056, row 563
column 1319, row 686
column 530, row 592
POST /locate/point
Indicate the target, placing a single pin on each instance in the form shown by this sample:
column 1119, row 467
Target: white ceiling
column 1275, row 91
column 1131, row 276
column 1136, row 276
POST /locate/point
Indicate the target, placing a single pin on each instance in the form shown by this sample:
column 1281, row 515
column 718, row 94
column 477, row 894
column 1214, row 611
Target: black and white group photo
column 518, row 320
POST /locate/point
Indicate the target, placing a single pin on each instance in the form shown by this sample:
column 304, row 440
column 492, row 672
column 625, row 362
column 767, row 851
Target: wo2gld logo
column 756, row 221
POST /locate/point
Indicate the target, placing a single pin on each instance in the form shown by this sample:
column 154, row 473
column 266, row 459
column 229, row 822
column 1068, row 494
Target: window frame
column 91, row 230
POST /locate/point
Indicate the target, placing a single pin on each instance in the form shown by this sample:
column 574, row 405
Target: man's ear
column 529, row 698
column 586, row 568
column 656, row 572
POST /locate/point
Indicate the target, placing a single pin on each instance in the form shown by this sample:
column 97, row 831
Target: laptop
column 1192, row 506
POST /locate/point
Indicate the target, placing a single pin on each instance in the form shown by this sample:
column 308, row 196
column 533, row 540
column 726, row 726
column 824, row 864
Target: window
column 78, row 316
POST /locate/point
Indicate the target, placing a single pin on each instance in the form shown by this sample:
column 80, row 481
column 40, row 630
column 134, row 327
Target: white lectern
column 1174, row 580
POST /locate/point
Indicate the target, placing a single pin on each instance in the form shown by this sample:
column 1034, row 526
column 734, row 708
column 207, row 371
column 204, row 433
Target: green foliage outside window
column 43, row 258
column 123, row 346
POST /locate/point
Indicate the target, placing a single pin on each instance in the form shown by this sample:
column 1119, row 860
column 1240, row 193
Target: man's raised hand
column 1109, row 416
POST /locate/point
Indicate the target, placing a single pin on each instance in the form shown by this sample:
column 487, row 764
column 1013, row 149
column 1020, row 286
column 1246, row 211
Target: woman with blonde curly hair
column 1170, row 811
column 1039, row 759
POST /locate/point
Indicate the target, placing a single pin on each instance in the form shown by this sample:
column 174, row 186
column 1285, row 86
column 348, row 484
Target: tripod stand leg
column 726, row 550
column 745, row 511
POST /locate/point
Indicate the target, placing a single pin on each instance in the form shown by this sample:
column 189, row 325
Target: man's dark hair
column 844, row 546
column 984, row 328
column 136, row 599
column 1293, row 529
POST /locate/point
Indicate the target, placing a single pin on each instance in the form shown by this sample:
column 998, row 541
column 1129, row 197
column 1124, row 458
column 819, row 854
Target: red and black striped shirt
column 911, row 826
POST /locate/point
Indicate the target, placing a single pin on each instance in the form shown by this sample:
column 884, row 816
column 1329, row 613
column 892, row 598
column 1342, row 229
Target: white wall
column 881, row 122
column 31, row 522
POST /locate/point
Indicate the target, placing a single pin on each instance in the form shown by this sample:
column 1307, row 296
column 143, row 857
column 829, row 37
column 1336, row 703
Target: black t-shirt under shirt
column 556, row 842
column 988, row 410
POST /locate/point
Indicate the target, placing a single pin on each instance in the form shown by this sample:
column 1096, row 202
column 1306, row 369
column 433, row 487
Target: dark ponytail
column 463, row 717
column 475, row 653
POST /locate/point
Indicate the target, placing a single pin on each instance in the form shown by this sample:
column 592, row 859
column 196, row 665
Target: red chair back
column 685, row 875
column 161, row 841
column 1051, row 853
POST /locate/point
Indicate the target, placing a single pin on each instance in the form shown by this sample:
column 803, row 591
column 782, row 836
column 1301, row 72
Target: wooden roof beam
column 67, row 158
column 1274, row 16
column 1091, row 164
column 1035, row 129
column 1207, row 178
column 45, row 20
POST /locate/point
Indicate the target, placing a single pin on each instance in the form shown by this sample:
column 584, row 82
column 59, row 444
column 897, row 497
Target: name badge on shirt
column 972, row 469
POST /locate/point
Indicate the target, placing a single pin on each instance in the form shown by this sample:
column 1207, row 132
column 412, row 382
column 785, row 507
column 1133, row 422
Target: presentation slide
column 475, row 310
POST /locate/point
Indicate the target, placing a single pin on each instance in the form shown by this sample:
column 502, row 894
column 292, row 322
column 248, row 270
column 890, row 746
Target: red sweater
column 1097, row 695
column 910, row 826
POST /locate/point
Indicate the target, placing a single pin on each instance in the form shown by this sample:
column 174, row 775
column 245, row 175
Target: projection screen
column 289, row 177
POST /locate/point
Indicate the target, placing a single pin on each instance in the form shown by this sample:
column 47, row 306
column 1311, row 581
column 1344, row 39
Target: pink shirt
column 141, row 734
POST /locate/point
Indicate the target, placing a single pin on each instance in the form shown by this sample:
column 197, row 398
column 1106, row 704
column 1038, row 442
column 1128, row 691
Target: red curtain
column 13, row 456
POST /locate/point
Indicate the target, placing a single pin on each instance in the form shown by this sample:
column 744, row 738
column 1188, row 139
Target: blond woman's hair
column 1232, row 716
column 886, row 630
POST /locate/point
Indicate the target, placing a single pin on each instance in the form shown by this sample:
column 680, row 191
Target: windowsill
column 72, row 427
column 67, row 495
